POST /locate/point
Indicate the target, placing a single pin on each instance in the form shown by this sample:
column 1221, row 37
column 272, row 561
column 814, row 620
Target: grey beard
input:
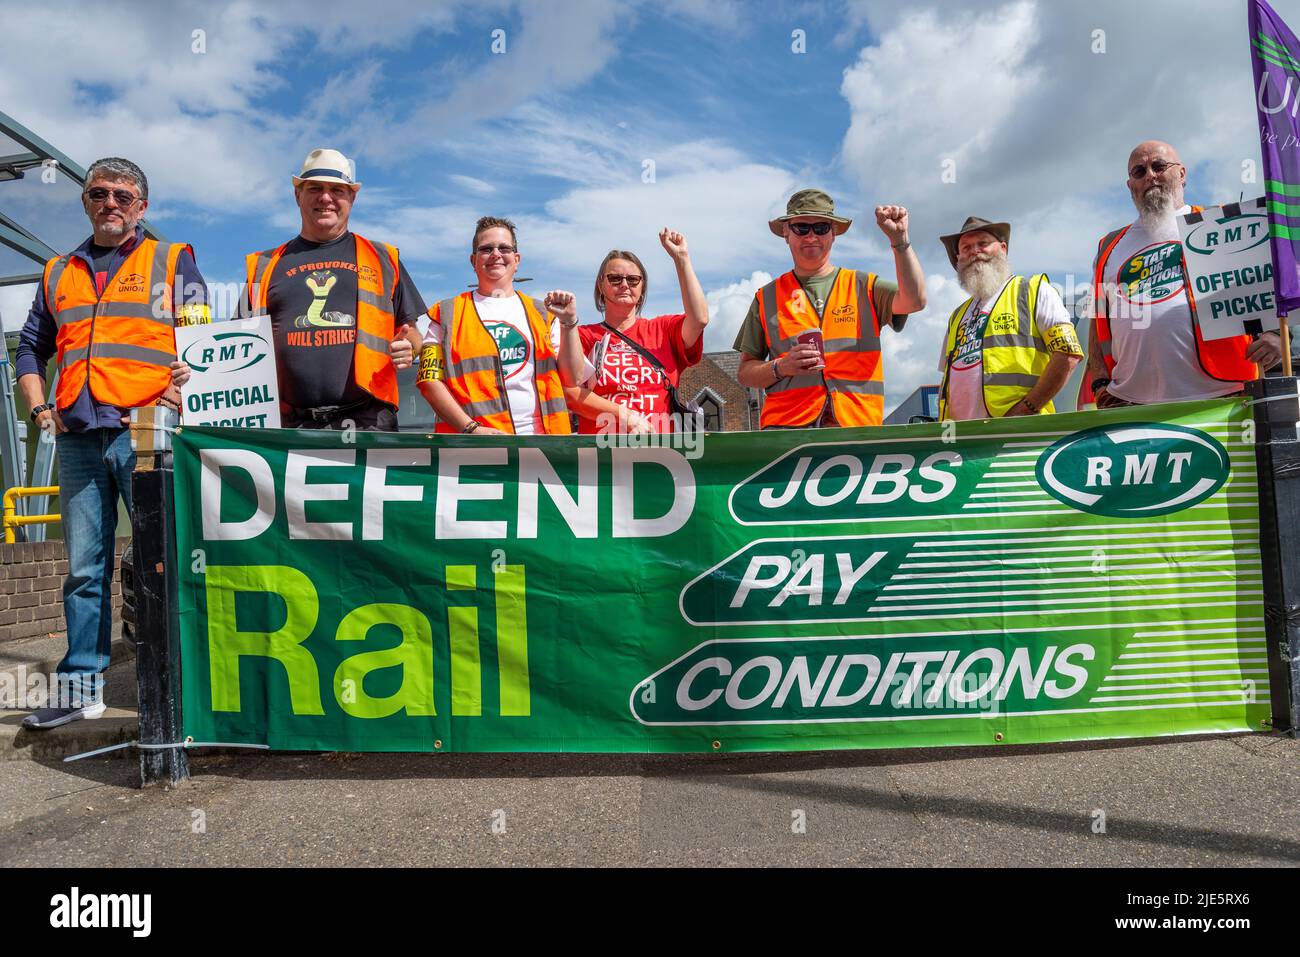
column 984, row 280
column 1156, row 210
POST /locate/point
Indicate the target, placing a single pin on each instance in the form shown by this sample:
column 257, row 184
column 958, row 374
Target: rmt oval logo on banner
column 226, row 352
column 1235, row 234
column 1134, row 470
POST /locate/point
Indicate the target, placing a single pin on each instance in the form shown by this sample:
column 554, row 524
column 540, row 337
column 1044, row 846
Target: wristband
column 569, row 325
column 776, row 371
column 1030, row 406
column 1099, row 383
column 472, row 426
column 903, row 245
column 36, row 412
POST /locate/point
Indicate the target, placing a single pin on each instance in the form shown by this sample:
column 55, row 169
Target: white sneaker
column 53, row 717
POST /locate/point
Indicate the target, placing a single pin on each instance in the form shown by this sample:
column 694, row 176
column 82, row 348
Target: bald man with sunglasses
column 811, row 339
column 1144, row 345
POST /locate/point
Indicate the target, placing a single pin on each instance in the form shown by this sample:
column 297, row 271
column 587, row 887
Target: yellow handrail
column 13, row 520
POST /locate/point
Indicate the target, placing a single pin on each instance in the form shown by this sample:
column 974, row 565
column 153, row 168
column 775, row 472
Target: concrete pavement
column 1206, row 800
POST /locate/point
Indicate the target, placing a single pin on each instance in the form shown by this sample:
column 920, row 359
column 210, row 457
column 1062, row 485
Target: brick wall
column 717, row 371
column 31, row 588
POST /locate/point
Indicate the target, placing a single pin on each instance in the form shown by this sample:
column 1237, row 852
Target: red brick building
column 728, row 406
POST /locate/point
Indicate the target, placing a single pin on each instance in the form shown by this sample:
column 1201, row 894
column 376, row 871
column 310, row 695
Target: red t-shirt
column 624, row 377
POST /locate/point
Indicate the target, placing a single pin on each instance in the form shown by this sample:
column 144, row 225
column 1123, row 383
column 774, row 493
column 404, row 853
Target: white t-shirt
column 505, row 318
column 966, row 377
column 1152, row 338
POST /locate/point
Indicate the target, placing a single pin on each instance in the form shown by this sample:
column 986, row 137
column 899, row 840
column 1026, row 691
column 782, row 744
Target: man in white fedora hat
column 343, row 308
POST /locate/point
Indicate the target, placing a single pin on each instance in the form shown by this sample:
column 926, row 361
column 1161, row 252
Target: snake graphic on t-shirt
column 320, row 283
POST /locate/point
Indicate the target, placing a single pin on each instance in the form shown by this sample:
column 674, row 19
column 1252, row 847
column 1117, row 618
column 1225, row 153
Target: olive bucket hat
column 810, row 202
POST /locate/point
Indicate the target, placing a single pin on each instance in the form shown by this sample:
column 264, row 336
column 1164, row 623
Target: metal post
column 1277, row 452
column 158, row 660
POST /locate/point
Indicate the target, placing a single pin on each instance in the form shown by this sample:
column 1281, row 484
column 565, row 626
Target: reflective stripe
column 1026, row 321
column 772, row 321
column 370, row 299
column 388, row 284
column 158, row 274
column 1017, row 341
column 75, row 355
column 473, row 364
column 494, row 406
column 796, row 382
column 73, row 314
column 256, row 284
column 543, row 366
column 870, row 387
column 120, row 350
column 132, row 310
column 554, row 407
column 840, row 345
column 372, row 341
column 56, row 273
column 1011, row 378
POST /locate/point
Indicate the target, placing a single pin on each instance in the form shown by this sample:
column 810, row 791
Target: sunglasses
column 803, row 229
column 121, row 196
column 616, row 280
column 487, row 249
column 1158, row 167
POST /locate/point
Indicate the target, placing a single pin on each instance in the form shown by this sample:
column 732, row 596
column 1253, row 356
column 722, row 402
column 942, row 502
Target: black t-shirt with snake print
column 312, row 300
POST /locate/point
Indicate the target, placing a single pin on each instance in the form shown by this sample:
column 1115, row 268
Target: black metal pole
column 1277, row 453
column 158, row 660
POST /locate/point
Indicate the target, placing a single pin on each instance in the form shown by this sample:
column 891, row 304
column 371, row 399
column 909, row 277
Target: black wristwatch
column 1099, row 383
column 36, row 412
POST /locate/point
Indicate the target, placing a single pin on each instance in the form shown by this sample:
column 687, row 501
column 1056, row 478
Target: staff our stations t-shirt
column 619, row 373
column 965, row 365
column 506, row 320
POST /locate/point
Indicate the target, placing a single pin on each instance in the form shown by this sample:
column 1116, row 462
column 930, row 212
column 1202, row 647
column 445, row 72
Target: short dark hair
column 119, row 168
column 491, row 222
column 600, row 274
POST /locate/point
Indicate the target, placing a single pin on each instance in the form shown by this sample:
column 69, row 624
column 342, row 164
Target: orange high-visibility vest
column 372, row 367
column 853, row 376
column 473, row 367
column 121, row 342
column 1222, row 359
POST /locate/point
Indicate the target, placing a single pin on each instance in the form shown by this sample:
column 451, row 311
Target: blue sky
column 1016, row 101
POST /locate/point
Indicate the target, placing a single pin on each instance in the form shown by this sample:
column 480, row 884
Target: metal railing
column 12, row 520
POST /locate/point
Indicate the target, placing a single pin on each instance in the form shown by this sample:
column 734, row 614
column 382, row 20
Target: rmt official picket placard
column 1086, row 575
column 233, row 377
column 1230, row 269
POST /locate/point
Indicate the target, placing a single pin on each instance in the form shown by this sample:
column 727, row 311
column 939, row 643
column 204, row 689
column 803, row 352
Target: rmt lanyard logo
column 75, row 910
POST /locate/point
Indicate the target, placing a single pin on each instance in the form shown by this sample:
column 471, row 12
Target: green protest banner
column 1049, row 578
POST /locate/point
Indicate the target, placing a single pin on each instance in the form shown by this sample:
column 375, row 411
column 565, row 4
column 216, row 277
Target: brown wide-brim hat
column 973, row 224
column 810, row 202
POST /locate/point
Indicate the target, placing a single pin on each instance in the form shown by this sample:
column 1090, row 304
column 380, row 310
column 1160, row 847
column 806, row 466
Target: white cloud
column 14, row 303
column 912, row 357
column 479, row 187
column 728, row 306
column 1039, row 126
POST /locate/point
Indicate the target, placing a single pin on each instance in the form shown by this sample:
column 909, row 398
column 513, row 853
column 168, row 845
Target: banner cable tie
column 1274, row 398
column 164, row 747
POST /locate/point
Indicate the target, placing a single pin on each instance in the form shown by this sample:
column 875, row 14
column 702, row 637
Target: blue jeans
column 94, row 469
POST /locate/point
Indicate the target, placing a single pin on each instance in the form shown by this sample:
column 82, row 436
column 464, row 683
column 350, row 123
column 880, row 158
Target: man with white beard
column 1144, row 346
column 1011, row 346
